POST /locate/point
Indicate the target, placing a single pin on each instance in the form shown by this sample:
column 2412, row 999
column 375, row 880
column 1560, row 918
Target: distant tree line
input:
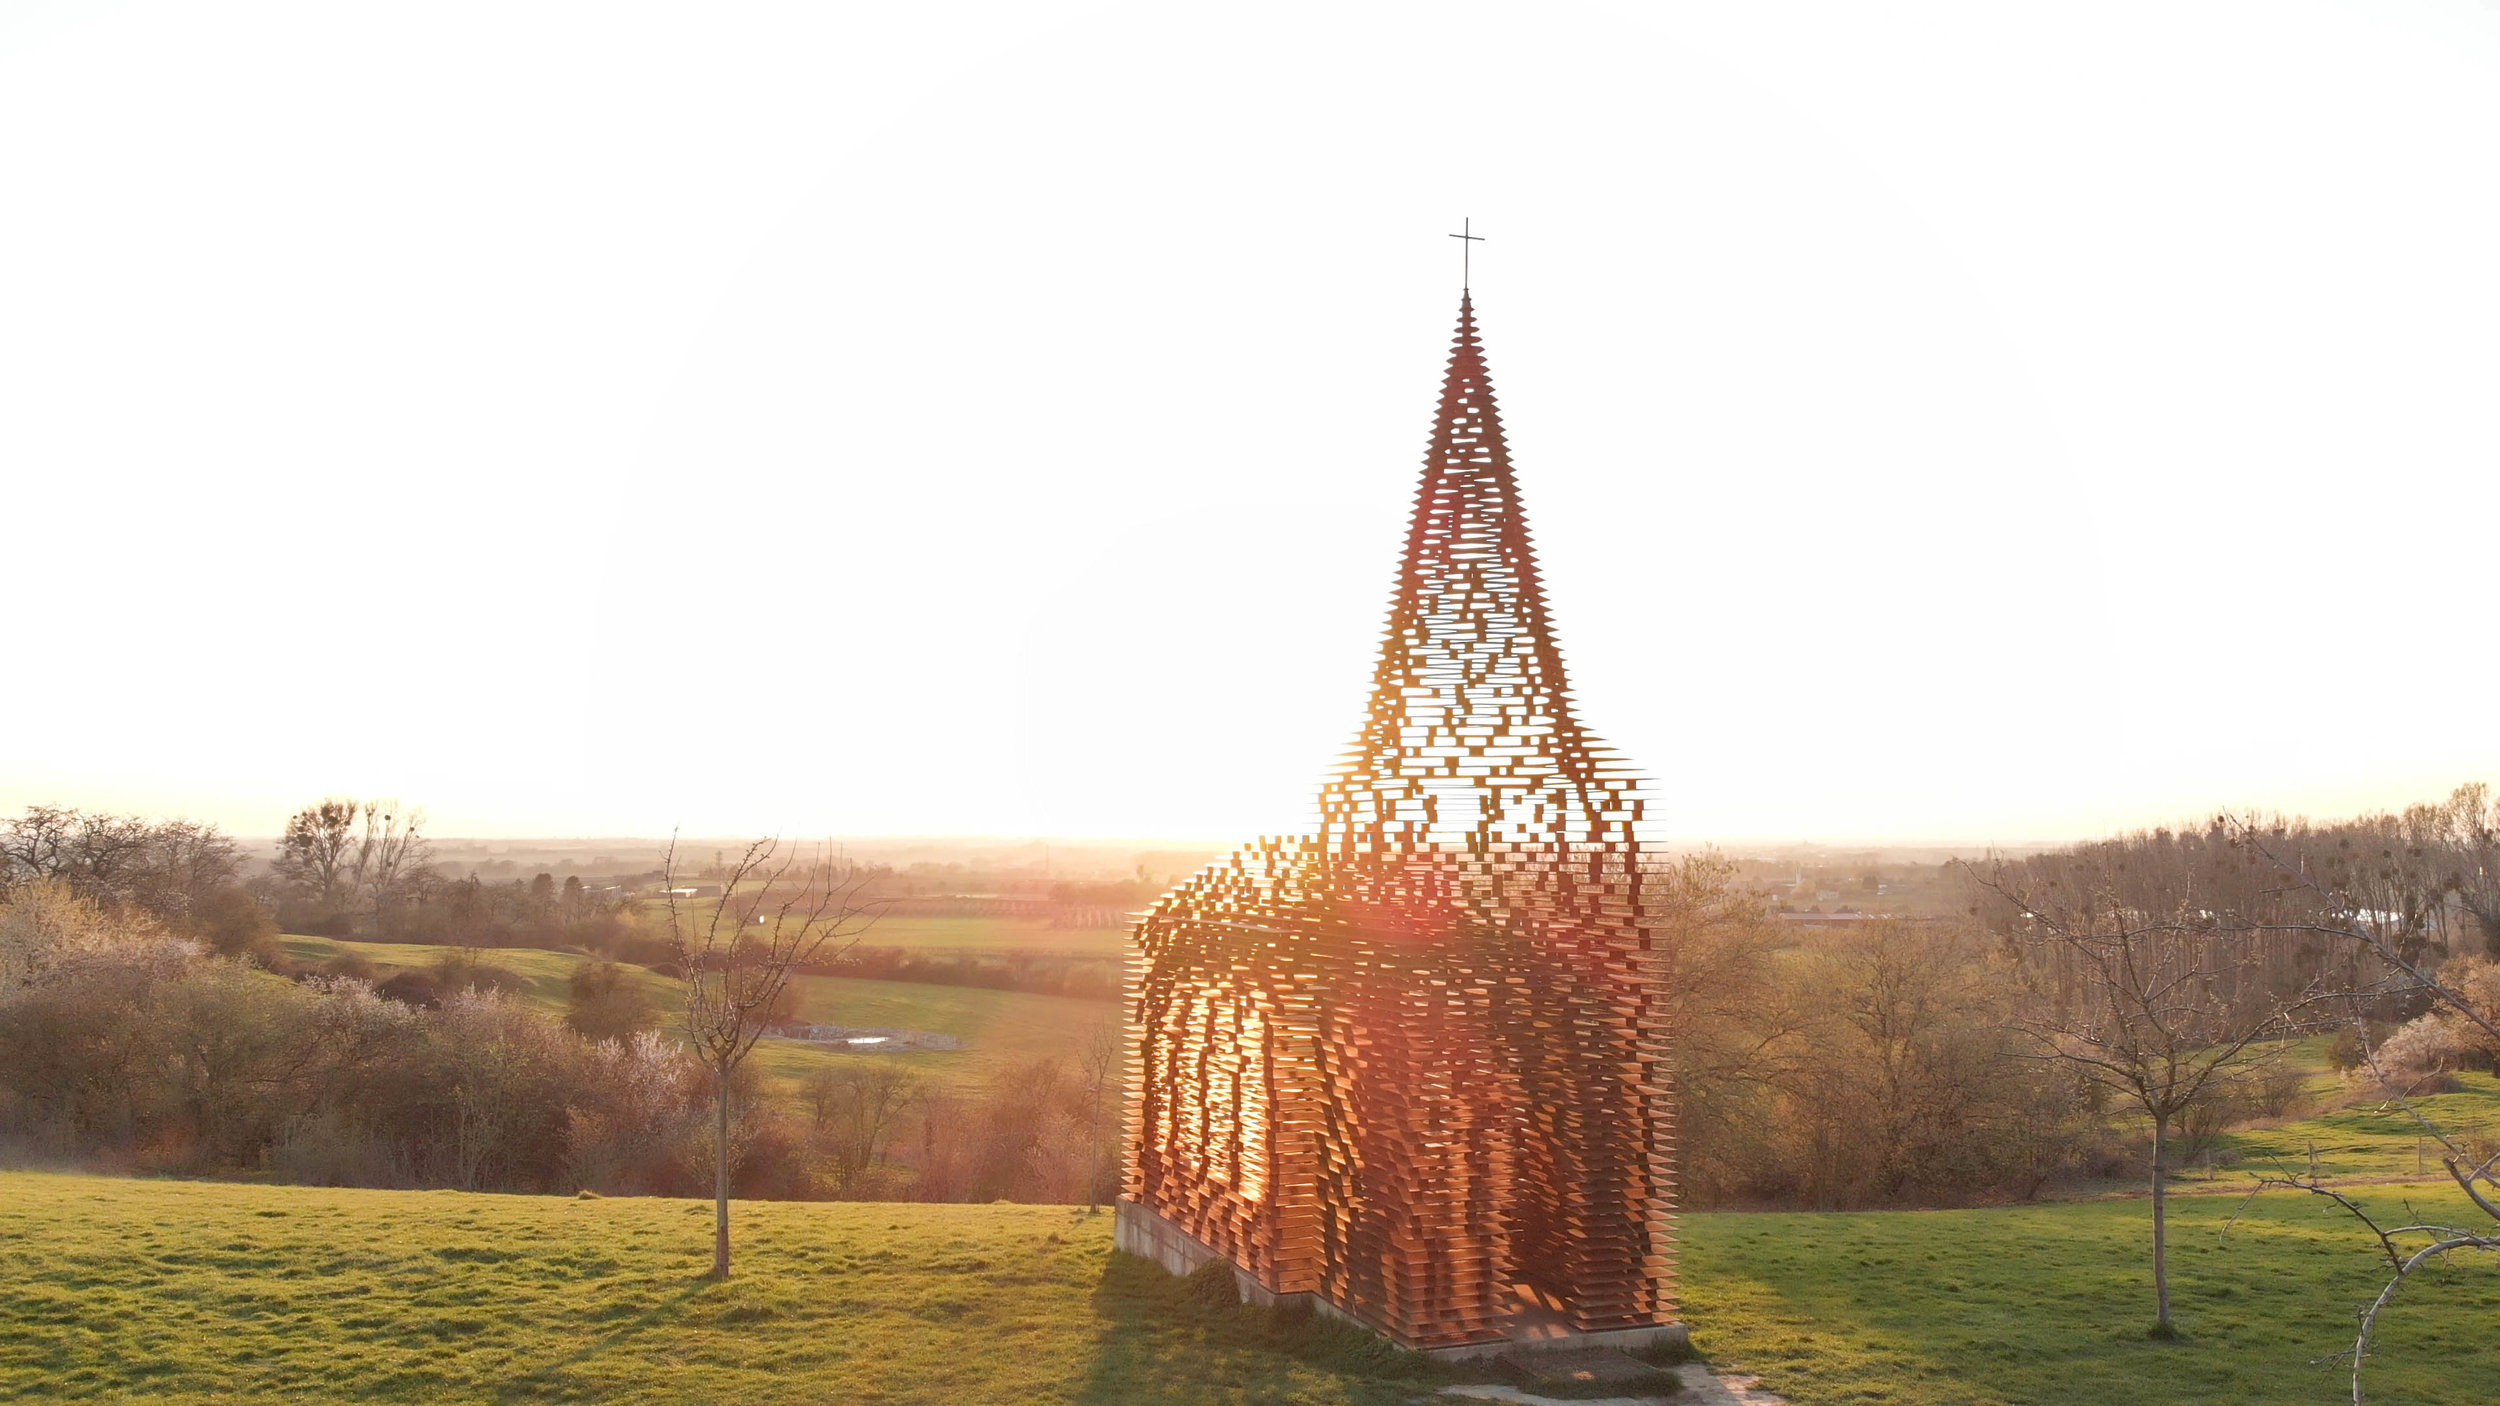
column 186, row 878
column 347, row 868
column 126, row 1047
column 1854, row 1069
column 2108, row 1009
column 147, row 1020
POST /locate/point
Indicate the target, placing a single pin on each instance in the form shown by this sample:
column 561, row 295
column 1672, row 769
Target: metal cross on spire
column 1465, row 250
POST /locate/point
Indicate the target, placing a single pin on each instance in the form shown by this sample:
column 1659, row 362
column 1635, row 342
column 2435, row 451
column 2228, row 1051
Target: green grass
column 197, row 1291
column 999, row 1029
column 200, row 1292
column 2049, row 1304
column 2373, row 1138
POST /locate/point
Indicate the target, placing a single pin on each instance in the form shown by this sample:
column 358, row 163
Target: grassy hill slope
column 197, row 1292
column 193, row 1291
column 2369, row 1137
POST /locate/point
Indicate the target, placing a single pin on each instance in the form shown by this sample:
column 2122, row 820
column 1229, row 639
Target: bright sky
column 1940, row 422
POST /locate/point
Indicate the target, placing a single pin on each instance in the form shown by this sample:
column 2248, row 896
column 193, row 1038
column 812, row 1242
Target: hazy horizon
column 874, row 845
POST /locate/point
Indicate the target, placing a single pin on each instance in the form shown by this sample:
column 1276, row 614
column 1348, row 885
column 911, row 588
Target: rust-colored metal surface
column 1412, row 1063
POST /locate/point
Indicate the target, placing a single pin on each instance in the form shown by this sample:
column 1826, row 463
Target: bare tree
column 186, row 863
column 168, row 869
column 772, row 918
column 2146, row 985
column 857, row 1108
column 1102, row 1071
column 92, row 851
column 356, row 857
column 41, row 844
column 315, row 853
column 2329, row 894
column 2471, row 819
column 392, row 855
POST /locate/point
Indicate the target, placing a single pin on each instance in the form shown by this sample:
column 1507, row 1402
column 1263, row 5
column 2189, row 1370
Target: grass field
column 999, row 1029
column 195, row 1292
column 199, row 1292
column 2049, row 1304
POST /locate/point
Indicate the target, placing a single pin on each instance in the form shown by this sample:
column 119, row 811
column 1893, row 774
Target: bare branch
column 2404, row 1271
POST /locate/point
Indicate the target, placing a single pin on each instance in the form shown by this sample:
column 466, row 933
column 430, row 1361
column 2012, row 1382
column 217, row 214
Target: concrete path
column 1702, row 1387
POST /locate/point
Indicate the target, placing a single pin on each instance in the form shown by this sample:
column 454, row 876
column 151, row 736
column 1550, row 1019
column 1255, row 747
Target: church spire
column 1471, row 732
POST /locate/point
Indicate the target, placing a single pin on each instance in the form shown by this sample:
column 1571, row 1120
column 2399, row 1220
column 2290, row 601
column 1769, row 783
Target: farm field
column 999, row 1029
column 994, row 935
column 197, row 1291
column 932, row 934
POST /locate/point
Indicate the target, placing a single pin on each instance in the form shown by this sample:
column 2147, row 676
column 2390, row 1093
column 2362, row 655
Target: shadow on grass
column 1168, row 1339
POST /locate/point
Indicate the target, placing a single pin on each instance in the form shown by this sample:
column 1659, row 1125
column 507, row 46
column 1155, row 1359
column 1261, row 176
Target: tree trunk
column 720, row 1181
column 2161, row 1225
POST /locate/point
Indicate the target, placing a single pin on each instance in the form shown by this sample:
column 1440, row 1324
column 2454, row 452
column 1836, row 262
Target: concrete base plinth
column 1151, row 1235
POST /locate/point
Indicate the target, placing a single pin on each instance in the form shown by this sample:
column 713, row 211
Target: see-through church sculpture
column 1410, row 1068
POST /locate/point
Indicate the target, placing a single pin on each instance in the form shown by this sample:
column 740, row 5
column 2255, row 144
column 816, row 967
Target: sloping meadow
column 198, row 1291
